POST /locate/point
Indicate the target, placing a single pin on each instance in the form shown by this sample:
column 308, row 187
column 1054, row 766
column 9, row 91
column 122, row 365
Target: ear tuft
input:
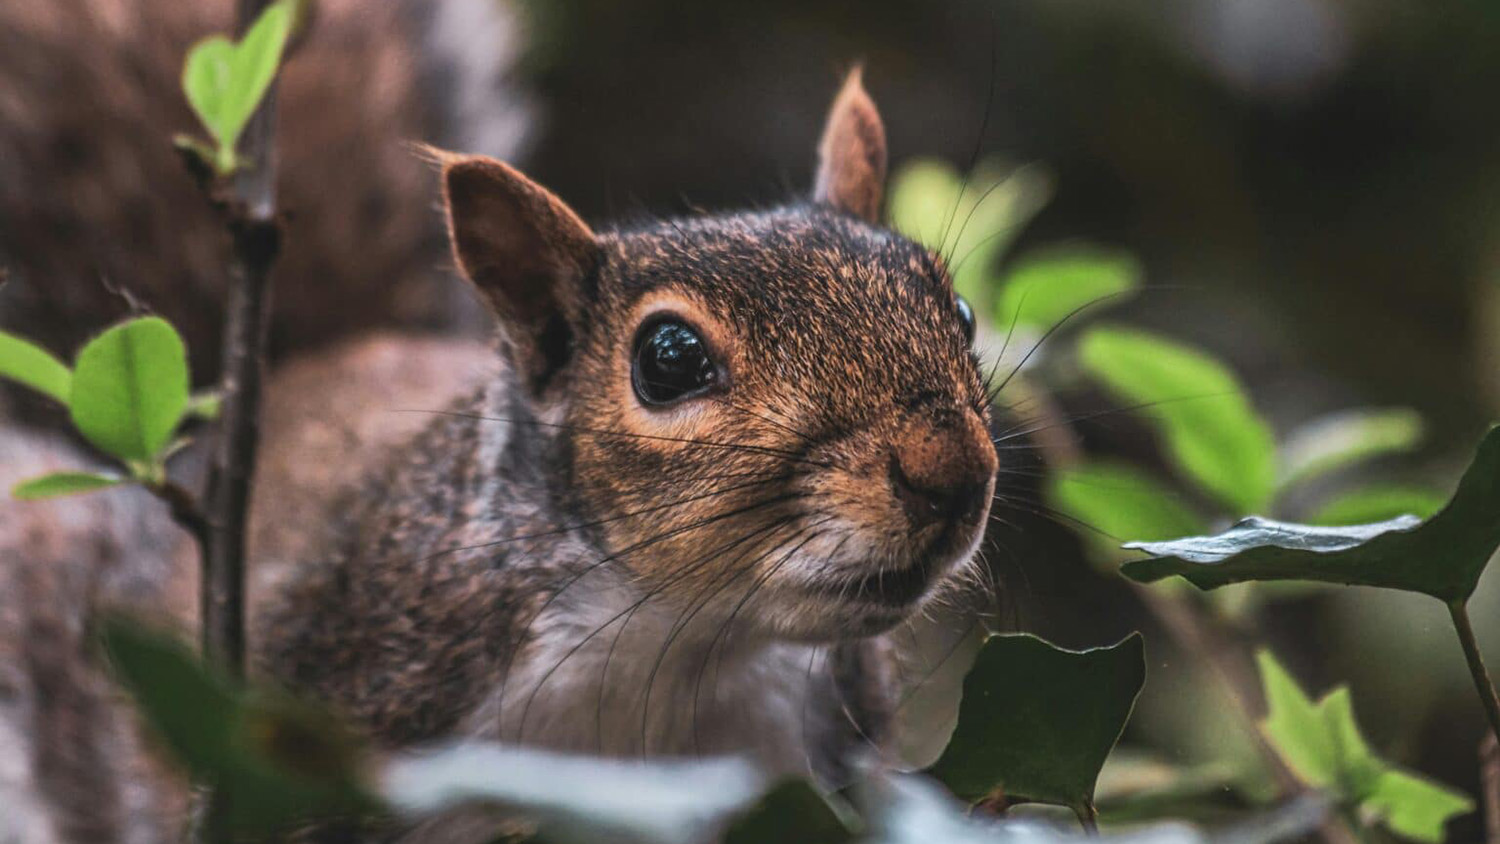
column 852, row 154
column 526, row 251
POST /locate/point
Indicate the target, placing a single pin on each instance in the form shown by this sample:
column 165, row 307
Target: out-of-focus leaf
column 63, row 483
column 1042, row 290
column 914, row 810
column 791, row 813
column 130, row 386
column 1345, row 438
column 1211, row 431
column 970, row 221
column 1322, row 744
column 225, row 81
column 275, row 761
column 1378, row 503
column 1112, row 501
column 924, row 197
column 1442, row 557
column 1415, row 807
column 1046, row 738
column 576, row 799
column 27, row 363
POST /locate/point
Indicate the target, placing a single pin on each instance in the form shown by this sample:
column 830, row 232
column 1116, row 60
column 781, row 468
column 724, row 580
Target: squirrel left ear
column 851, row 156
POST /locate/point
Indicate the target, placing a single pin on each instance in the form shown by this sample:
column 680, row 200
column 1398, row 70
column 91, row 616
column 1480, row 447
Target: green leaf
column 924, row 194
column 969, row 221
column 1378, row 503
column 1111, row 501
column 1442, row 557
column 63, row 483
column 1342, row 439
column 279, row 761
column 130, row 387
column 1415, row 807
column 791, row 813
column 1042, row 290
column 1037, row 722
column 1199, row 407
column 29, row 364
column 1321, row 743
column 225, row 81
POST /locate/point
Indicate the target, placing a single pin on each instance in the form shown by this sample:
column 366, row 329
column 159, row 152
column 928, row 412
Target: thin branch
column 250, row 216
column 1088, row 817
column 1459, row 610
column 1489, row 787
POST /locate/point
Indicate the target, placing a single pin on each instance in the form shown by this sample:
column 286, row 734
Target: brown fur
column 93, row 198
column 843, row 355
column 852, row 153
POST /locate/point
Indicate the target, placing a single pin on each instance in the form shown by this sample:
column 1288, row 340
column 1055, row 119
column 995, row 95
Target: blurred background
column 1286, row 209
column 1303, row 190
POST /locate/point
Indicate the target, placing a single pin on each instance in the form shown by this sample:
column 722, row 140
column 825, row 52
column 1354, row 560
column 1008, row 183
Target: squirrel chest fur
column 722, row 457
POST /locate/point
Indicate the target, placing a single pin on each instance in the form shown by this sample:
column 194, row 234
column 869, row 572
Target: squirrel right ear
column 526, row 251
column 851, row 156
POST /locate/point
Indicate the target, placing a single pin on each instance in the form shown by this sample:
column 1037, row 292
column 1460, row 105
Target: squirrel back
column 97, row 211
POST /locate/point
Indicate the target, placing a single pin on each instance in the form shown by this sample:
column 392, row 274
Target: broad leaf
column 1037, row 721
column 63, row 483
column 1342, row 439
column 1322, row 744
column 225, row 81
column 1042, row 290
column 1442, row 557
column 1378, row 503
column 791, row 813
column 275, row 760
column 130, row 387
column 575, row 799
column 1108, row 502
column 1211, row 431
column 33, row 366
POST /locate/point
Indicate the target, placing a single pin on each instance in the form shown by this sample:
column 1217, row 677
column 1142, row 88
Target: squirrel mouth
column 895, row 588
column 900, row 588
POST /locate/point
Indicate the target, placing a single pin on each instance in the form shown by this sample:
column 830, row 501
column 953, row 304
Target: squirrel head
column 773, row 415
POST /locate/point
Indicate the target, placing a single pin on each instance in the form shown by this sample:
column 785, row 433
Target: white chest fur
column 602, row 676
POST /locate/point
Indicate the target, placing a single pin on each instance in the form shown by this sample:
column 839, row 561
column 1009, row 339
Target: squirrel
column 719, row 457
column 709, row 465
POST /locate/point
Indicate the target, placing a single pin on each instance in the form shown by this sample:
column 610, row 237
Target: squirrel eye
column 966, row 317
column 671, row 363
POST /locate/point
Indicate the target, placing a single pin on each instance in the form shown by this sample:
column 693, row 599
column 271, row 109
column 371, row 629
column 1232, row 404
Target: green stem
column 1088, row 816
column 1459, row 610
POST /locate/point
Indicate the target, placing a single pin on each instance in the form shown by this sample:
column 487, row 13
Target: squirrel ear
column 851, row 156
column 526, row 251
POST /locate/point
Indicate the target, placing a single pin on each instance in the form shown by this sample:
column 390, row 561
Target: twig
column 1489, row 787
column 250, row 215
column 1459, row 610
column 1088, row 817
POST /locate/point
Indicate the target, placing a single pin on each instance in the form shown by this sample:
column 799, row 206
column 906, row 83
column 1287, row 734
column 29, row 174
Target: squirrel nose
column 941, row 468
